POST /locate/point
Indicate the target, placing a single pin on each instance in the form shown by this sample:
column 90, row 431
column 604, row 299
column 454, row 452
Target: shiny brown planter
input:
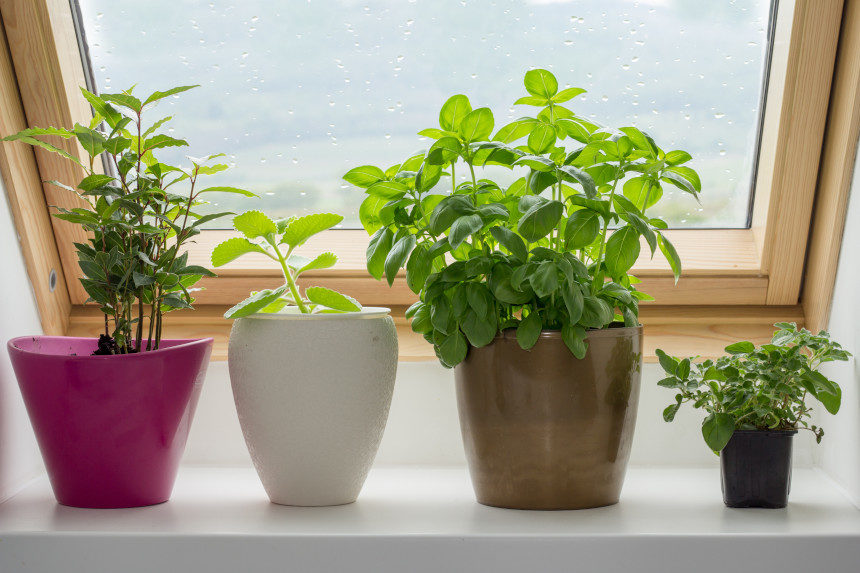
column 545, row 430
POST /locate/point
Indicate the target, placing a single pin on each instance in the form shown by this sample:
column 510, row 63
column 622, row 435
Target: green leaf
column 542, row 138
column 91, row 140
column 544, row 280
column 301, row 229
column 541, row 83
column 232, row 249
column 255, row 302
column 740, row 348
column 677, row 157
column 477, row 125
column 669, row 364
column 539, row 220
column 515, row 130
column 123, row 100
column 670, row 412
column 583, row 178
column 531, row 100
column 567, row 95
column 172, row 91
column 441, row 316
column 453, row 112
column 364, row 176
column 581, row 229
column 717, row 429
column 831, row 400
column 642, row 192
column 322, row 261
column 641, row 140
column 377, row 251
column 622, row 250
column 111, row 115
column 397, row 256
column 511, row 241
column 418, row 268
column 453, row 349
column 387, row 190
column 536, row 162
column 668, row 250
column 44, row 145
column 332, row 299
column 162, row 140
column 94, row 181
column 463, row 228
column 254, row 224
column 528, row 331
column 574, row 302
column 574, row 338
column 222, row 189
column 480, row 328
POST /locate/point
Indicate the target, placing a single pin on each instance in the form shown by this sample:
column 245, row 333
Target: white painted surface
column 312, row 393
column 19, row 456
column 423, row 520
column 423, row 427
column 839, row 453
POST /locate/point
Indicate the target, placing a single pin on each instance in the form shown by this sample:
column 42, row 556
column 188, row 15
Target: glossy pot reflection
column 545, row 430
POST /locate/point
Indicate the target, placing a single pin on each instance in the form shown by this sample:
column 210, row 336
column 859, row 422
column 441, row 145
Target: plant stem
column 606, row 221
column 289, row 278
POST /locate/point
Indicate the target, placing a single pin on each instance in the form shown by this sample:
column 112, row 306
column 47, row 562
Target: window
column 299, row 93
column 743, row 266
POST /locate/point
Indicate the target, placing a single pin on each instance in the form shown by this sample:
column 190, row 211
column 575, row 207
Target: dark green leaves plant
column 552, row 250
column 137, row 219
column 763, row 388
column 277, row 240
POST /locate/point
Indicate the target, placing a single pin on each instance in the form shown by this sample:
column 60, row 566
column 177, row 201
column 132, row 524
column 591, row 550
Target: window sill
column 426, row 519
column 681, row 330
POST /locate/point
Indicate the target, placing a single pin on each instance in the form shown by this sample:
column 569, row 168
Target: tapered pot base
column 544, row 430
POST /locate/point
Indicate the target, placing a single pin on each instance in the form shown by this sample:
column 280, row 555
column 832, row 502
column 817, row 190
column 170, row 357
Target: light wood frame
column 747, row 278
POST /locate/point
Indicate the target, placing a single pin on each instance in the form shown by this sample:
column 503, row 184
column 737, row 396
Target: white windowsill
column 420, row 519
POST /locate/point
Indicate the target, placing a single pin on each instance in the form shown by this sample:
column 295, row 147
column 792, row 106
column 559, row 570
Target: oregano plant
column 138, row 215
column 550, row 251
column 277, row 239
column 764, row 388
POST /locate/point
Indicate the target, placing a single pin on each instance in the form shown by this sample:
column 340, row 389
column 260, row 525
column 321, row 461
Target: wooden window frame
column 736, row 282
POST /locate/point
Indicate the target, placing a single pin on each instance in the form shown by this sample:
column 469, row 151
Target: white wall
column 839, row 453
column 19, row 456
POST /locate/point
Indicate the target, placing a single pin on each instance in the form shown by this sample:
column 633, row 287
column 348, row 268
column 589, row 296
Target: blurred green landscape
column 298, row 92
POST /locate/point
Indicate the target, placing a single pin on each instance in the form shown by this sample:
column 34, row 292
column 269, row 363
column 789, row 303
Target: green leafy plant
column 137, row 219
column 266, row 236
column 552, row 250
column 763, row 388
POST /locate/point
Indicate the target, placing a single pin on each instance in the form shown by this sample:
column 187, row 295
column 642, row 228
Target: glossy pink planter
column 111, row 429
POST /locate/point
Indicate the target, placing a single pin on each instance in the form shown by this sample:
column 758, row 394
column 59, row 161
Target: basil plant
column 550, row 251
column 138, row 215
column 764, row 388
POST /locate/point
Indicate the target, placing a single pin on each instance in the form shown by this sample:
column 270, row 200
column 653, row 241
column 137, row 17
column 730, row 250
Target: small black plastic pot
column 755, row 468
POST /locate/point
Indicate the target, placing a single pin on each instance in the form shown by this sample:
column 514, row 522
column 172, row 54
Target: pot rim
column 767, row 432
column 367, row 312
column 590, row 333
column 181, row 343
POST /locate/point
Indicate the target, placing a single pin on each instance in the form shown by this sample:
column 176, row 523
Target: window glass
column 297, row 93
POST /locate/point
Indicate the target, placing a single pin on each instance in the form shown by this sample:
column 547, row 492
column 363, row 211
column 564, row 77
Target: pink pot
column 111, row 429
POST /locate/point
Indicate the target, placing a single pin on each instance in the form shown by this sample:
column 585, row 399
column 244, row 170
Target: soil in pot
column 545, row 430
column 755, row 468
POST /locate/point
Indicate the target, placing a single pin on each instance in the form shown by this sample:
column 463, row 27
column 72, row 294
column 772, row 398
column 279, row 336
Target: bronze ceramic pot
column 545, row 430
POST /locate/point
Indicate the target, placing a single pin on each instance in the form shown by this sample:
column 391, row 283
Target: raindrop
column 719, row 115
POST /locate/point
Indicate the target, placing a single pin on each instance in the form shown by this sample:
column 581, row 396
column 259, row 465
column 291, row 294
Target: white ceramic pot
column 313, row 393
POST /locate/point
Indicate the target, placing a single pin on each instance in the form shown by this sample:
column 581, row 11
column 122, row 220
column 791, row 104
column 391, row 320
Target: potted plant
column 312, row 373
column 112, row 415
column 756, row 401
column 524, row 287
